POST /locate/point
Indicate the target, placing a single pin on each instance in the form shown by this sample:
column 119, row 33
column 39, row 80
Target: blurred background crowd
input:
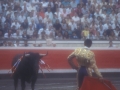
column 60, row 19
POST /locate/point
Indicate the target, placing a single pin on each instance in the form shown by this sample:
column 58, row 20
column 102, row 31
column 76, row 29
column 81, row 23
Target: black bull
column 27, row 69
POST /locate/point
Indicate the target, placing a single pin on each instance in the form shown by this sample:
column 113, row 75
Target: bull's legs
column 15, row 83
column 33, row 82
column 22, row 84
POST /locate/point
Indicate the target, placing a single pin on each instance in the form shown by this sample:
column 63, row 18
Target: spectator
column 47, row 33
column 64, row 25
column 40, row 33
column 5, row 43
column 10, row 44
column 59, row 36
column 21, row 30
column 43, row 35
column 17, row 44
column 111, row 44
column 68, row 19
column 18, row 15
column 73, row 11
column 68, row 9
column 64, row 13
column 25, row 24
column 66, row 35
column 116, row 32
column 35, row 35
column 16, row 24
column 25, row 44
column 39, row 25
column 55, row 18
column 58, row 3
column 49, row 14
column 85, row 33
column 94, row 32
column 119, row 36
column 42, row 13
column 46, row 19
column 30, row 31
column 118, row 4
column 84, row 10
column 49, row 24
column 58, row 14
column 74, row 36
column 44, row 4
column 0, row 7
column 25, row 36
column 57, row 25
column 5, row 5
column 73, row 25
column 65, row 3
column 2, row 20
column 17, row 35
column 100, row 32
column 79, row 10
column 69, row 31
column 8, row 34
column 21, row 17
column 8, row 20
column 113, row 17
column 78, row 31
column 50, row 5
column 84, row 1
column 14, row 16
column 75, row 18
column 73, row 4
column 110, row 33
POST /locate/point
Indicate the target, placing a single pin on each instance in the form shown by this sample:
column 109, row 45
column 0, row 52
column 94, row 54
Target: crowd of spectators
column 60, row 19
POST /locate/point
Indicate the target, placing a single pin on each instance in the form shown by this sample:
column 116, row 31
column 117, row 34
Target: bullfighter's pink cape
column 91, row 83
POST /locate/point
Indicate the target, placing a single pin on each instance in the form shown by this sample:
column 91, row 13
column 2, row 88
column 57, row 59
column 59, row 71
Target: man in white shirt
column 25, row 6
column 96, row 13
column 117, row 31
column 49, row 14
column 84, row 10
column 101, row 31
column 16, row 24
column 17, row 35
column 106, row 25
column 21, row 17
column 44, row 3
column 103, row 14
column 40, row 33
column 31, row 8
column 118, row 15
column 2, row 19
column 75, row 18
column 73, row 25
column 30, row 31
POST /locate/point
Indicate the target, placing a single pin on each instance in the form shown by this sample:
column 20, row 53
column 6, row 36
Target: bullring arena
column 60, row 76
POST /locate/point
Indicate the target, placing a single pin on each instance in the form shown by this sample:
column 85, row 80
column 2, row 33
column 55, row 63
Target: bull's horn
column 44, row 54
column 27, row 54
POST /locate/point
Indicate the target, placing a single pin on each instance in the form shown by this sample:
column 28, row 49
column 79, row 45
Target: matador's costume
column 86, row 63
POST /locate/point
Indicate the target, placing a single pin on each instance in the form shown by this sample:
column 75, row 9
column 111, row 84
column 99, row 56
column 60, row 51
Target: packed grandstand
column 59, row 19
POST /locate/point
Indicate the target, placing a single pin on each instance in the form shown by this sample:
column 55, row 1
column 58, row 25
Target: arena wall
column 108, row 59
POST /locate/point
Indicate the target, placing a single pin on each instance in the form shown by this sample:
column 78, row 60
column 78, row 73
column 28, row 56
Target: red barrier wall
column 57, row 58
